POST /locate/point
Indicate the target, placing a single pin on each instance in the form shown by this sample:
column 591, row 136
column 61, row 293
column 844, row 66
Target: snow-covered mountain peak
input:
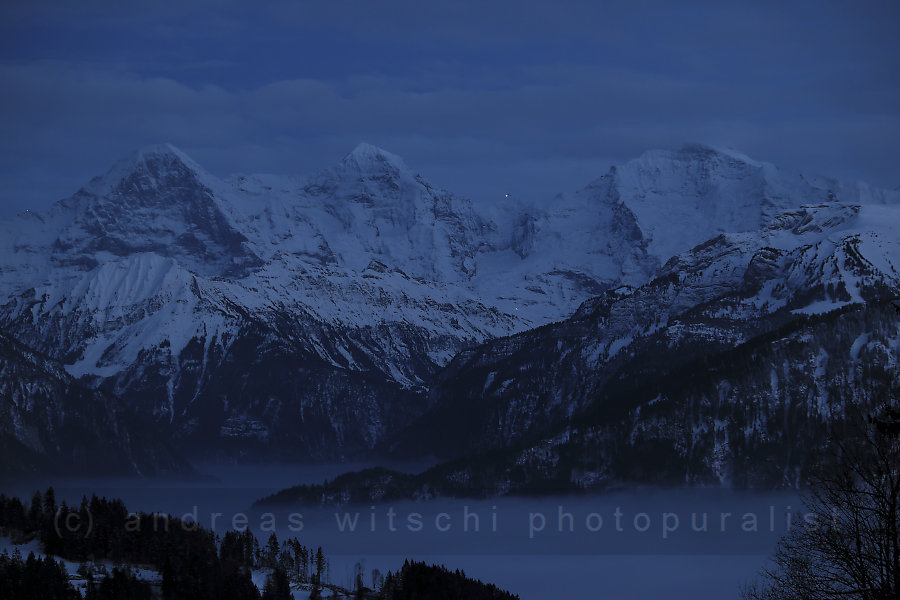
column 696, row 192
column 163, row 149
column 157, row 200
column 188, row 292
column 705, row 152
column 367, row 175
column 690, row 168
column 369, row 159
column 153, row 167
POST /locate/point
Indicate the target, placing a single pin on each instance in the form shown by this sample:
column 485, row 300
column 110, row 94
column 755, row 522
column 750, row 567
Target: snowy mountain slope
column 155, row 201
column 722, row 294
column 153, row 277
column 622, row 227
column 666, row 202
column 315, row 310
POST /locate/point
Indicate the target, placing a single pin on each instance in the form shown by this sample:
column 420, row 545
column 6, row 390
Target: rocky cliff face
column 51, row 423
column 305, row 317
column 735, row 364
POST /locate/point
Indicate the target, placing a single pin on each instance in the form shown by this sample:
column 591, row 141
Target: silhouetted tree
column 377, row 580
column 278, row 586
column 359, row 586
column 850, row 547
column 271, row 554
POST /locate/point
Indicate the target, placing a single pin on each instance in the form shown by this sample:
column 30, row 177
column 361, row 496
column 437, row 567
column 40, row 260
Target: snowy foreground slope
column 305, row 317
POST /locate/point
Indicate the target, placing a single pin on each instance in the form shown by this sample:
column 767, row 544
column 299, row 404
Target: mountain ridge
column 151, row 281
column 54, row 424
column 726, row 292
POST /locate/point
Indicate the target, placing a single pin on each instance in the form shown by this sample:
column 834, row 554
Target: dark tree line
column 420, row 581
column 194, row 563
column 118, row 585
column 34, row 578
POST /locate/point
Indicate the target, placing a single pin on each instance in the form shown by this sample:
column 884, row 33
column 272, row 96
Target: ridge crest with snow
column 155, row 278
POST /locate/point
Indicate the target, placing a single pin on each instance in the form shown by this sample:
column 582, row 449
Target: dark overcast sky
column 483, row 97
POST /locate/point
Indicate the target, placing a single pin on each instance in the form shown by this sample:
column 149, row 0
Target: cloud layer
column 489, row 98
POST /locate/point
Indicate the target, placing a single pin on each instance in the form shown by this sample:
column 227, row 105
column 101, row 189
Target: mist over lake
column 535, row 547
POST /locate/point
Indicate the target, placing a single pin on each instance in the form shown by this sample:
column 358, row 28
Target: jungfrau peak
column 367, row 158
